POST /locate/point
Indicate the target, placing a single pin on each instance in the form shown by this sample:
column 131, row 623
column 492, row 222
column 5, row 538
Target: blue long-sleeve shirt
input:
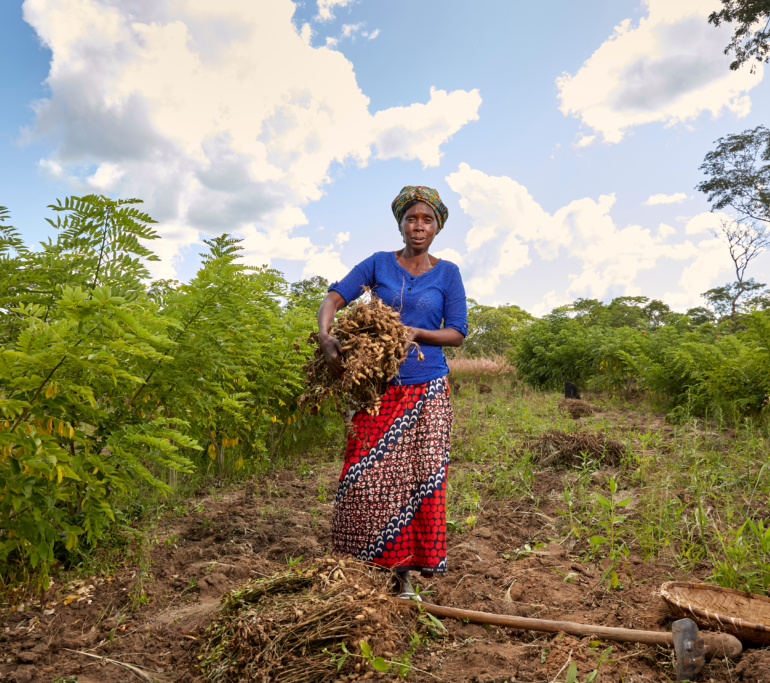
column 425, row 301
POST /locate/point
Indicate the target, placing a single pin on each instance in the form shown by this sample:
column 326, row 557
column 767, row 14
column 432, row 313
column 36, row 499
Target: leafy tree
column 726, row 301
column 700, row 315
column 751, row 37
column 233, row 368
column 627, row 311
column 65, row 450
column 110, row 382
column 308, row 293
column 623, row 311
column 693, row 370
column 739, row 170
column 745, row 242
column 558, row 348
column 759, row 302
column 590, row 311
column 492, row 330
column 657, row 314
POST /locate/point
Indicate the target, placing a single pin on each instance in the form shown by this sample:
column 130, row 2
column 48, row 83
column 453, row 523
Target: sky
column 566, row 144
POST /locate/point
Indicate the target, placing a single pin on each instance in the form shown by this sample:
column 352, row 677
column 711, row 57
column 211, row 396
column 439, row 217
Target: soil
column 235, row 535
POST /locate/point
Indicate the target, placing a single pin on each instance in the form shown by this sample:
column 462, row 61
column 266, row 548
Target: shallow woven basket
column 743, row 614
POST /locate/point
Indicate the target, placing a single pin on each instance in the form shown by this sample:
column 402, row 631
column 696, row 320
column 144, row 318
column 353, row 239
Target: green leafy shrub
column 111, row 382
column 491, row 330
column 701, row 369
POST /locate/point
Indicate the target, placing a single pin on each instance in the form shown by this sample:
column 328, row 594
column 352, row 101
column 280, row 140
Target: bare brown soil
column 238, row 535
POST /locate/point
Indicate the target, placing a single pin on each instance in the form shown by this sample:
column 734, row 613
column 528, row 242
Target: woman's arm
column 446, row 336
column 331, row 347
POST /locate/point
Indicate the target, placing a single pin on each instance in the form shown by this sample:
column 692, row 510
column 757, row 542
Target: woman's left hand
column 411, row 336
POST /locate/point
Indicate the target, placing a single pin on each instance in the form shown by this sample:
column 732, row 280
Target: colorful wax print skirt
column 390, row 508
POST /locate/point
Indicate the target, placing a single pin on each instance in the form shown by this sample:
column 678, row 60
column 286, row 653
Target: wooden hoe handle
column 716, row 644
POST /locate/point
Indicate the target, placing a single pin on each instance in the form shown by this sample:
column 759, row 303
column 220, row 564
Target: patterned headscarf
column 418, row 193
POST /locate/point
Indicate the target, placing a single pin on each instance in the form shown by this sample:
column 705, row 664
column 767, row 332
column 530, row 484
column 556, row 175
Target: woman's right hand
column 332, row 351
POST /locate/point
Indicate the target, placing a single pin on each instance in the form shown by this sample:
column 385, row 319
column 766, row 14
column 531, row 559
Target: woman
column 390, row 506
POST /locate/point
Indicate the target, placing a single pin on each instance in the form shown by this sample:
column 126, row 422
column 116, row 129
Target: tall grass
column 496, row 367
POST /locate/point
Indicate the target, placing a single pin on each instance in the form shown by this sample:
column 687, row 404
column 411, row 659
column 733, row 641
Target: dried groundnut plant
column 373, row 340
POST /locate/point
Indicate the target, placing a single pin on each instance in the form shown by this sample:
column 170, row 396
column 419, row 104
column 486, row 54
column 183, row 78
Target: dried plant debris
column 374, row 340
column 291, row 627
column 576, row 407
column 559, row 449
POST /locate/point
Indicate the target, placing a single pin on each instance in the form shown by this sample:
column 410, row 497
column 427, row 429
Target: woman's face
column 418, row 226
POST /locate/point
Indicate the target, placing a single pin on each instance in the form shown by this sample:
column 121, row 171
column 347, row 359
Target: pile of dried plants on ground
column 576, row 407
column 559, row 449
column 307, row 625
column 374, row 343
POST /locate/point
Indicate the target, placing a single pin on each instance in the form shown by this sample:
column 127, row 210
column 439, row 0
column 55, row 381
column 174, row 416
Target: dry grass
column 480, row 367
column 285, row 628
column 576, row 407
column 558, row 449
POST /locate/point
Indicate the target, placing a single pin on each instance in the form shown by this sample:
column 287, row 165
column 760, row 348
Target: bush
column 491, row 331
column 111, row 381
column 705, row 369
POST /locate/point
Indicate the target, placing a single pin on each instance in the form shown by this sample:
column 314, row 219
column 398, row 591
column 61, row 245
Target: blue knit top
column 425, row 301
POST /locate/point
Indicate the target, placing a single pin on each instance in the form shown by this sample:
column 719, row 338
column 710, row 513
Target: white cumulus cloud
column 349, row 30
column 705, row 222
column 106, row 177
column 417, row 131
column 669, row 68
column 711, row 265
column 326, row 8
column 666, row 198
column 508, row 223
column 450, row 254
column 221, row 116
column 585, row 140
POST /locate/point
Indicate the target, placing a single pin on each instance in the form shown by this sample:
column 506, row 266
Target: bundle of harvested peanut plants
column 374, row 343
column 305, row 625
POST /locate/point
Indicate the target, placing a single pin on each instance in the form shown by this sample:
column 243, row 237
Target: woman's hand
column 330, row 346
column 411, row 335
column 332, row 351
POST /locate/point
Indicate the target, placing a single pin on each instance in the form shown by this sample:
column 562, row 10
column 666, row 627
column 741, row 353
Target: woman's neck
column 416, row 263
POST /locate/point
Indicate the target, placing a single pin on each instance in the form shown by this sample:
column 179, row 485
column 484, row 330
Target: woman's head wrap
column 418, row 193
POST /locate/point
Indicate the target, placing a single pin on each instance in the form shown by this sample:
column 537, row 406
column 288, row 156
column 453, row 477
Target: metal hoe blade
column 690, row 649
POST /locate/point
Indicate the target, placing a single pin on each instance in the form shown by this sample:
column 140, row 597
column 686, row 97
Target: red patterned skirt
column 390, row 508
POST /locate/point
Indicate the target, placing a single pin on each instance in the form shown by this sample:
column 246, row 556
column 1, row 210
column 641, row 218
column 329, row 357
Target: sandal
column 407, row 592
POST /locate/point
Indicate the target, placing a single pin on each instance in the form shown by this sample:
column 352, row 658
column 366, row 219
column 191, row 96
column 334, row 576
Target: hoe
column 692, row 646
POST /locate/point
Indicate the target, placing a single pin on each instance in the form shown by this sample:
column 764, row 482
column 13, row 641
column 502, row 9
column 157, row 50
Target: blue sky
column 295, row 126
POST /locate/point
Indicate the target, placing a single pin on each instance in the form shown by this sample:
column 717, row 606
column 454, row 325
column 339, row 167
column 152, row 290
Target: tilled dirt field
column 228, row 538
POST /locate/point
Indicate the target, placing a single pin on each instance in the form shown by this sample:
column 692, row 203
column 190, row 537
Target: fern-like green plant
column 110, row 382
column 71, row 339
